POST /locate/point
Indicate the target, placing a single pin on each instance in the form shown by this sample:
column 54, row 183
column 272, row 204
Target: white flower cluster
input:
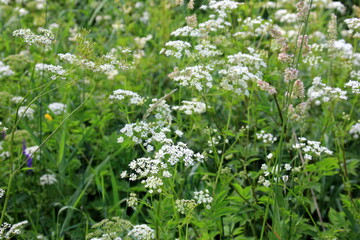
column 57, row 108
column 142, row 232
column 266, row 137
column 218, row 6
column 354, row 85
column 310, row 148
column 186, row 31
column 5, row 70
column 275, row 171
column 8, row 232
column 3, row 154
column 31, row 150
column 254, row 27
column 184, row 206
column 121, row 94
column 2, row 192
column 240, row 69
column 206, row 50
column 161, row 110
column 337, row 5
column 150, row 169
column 176, row 48
column 46, row 38
column 3, row 128
column 145, row 133
column 174, row 153
column 355, row 130
column 283, row 16
column 320, row 92
column 57, row 70
column 354, row 26
column 132, row 201
column 203, row 197
column 28, row 113
column 111, row 64
column 194, row 76
column 17, row 99
column 48, row 179
column 343, row 49
column 190, row 107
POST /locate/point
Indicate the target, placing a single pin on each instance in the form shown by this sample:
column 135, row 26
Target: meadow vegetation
column 179, row 119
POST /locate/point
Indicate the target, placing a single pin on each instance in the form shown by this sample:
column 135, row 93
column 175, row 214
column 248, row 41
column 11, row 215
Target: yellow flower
column 48, row 117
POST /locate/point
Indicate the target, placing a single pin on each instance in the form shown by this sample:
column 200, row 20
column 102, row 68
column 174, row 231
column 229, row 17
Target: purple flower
column 28, row 156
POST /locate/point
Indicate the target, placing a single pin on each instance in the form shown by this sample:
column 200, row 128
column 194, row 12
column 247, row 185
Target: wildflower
column 285, row 178
column 191, row 21
column 332, row 31
column 179, row 133
column 311, row 147
column 121, row 94
column 298, row 89
column 355, row 130
column 190, row 107
column 302, row 10
column 264, row 167
column 47, row 179
column 354, row 85
column 27, row 112
column 323, row 93
column 132, row 201
column 46, row 38
column 2, row 192
column 266, row 183
column 3, row 128
column 191, row 4
column 270, row 156
column 5, row 70
column 179, row 47
column 185, row 206
column 15, row 229
column 290, row 74
column 17, row 99
column 48, row 117
column 57, row 108
column 203, row 197
column 142, row 232
column 287, row 167
column 28, row 153
column 266, row 137
column 57, row 70
column 266, row 87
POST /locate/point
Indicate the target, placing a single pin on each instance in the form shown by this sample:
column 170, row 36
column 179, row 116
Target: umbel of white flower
column 45, row 38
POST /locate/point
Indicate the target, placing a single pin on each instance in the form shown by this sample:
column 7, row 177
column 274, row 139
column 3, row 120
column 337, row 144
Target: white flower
column 123, row 174
column 46, row 38
column 48, row 179
column 355, row 130
column 264, row 167
column 270, row 156
column 266, row 183
column 266, row 137
column 5, row 70
column 57, row 108
column 285, row 178
column 287, row 167
column 142, row 232
column 28, row 113
column 189, row 107
column 121, row 94
column 179, row 133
